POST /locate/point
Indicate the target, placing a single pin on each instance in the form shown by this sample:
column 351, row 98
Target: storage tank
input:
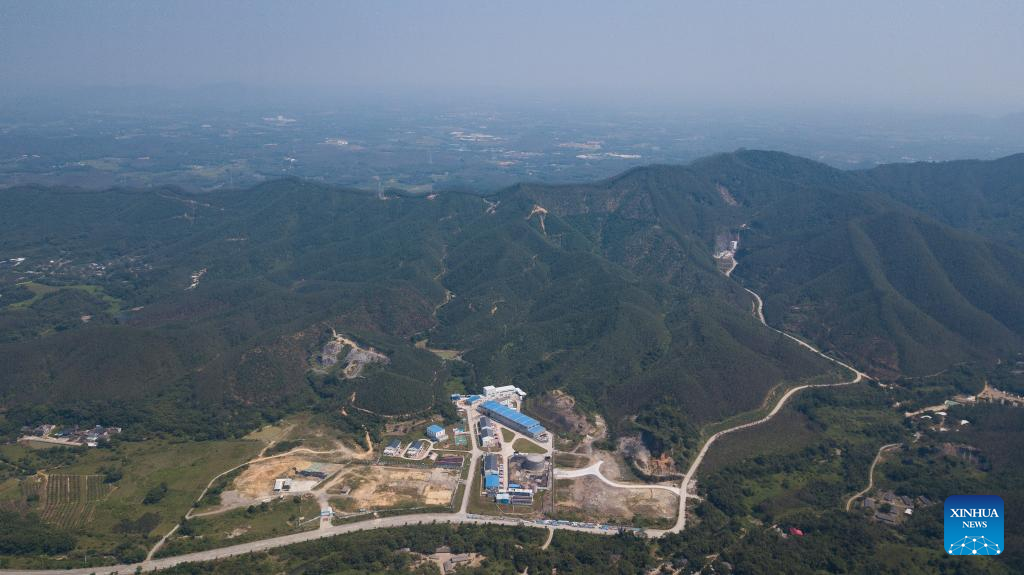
column 534, row 462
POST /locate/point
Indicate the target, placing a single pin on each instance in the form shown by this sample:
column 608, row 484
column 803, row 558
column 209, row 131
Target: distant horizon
column 907, row 58
column 324, row 98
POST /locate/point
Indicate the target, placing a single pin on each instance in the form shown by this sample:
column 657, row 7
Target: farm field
column 69, row 501
column 64, row 501
column 96, row 513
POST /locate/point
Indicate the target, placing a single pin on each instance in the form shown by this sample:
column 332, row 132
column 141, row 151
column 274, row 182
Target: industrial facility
column 530, row 471
column 507, row 394
column 515, row 496
column 514, row 420
column 492, row 469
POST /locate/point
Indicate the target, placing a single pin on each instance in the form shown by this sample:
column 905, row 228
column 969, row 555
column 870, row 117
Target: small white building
column 283, row 484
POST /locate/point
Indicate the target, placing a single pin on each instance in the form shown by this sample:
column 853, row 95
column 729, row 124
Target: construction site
column 374, row 487
column 274, row 477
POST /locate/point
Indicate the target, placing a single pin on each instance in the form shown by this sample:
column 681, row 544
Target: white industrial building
column 504, row 394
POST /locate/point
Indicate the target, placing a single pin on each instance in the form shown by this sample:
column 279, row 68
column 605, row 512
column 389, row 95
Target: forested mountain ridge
column 983, row 197
column 838, row 257
column 609, row 289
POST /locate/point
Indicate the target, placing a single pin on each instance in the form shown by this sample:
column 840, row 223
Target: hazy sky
column 924, row 55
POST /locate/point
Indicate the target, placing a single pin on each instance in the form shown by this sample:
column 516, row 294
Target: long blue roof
column 531, row 424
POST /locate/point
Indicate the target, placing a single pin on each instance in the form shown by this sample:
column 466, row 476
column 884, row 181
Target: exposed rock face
column 643, row 462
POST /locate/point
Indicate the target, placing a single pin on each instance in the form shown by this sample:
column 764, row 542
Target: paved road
column 262, row 545
column 871, row 474
column 474, row 455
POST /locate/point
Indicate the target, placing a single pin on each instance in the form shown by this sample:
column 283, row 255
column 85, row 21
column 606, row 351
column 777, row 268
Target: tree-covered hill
column 986, row 198
column 842, row 261
column 218, row 302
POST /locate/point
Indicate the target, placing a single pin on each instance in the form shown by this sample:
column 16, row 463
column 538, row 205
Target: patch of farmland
column 69, row 501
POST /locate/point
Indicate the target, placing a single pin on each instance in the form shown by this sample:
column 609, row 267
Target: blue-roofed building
column 492, row 482
column 472, row 399
column 437, row 433
column 492, row 464
column 513, row 419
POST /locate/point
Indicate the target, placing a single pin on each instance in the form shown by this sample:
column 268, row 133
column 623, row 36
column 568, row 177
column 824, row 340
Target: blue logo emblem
column 974, row 525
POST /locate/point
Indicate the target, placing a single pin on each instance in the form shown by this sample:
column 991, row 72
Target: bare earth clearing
column 598, row 501
column 377, row 487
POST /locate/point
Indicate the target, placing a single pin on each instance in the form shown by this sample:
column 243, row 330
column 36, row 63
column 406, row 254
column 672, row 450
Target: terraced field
column 69, row 501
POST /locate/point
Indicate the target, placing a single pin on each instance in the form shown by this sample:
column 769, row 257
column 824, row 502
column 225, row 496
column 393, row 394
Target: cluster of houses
column 71, row 436
column 891, row 509
column 449, row 562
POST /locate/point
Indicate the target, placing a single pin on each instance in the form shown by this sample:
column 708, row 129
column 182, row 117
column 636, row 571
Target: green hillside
column 155, row 306
column 985, row 198
column 867, row 277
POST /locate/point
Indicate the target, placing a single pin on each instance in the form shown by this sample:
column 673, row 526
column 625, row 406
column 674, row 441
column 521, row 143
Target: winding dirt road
column 695, row 465
column 871, row 474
